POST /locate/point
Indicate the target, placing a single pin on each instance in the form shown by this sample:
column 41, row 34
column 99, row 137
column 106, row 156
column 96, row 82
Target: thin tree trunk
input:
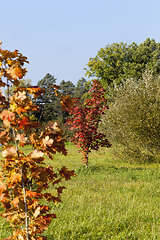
column 24, row 193
column 87, row 161
column 26, row 208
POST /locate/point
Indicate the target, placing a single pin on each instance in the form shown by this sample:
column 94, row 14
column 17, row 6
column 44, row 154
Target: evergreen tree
column 81, row 88
column 67, row 88
column 49, row 103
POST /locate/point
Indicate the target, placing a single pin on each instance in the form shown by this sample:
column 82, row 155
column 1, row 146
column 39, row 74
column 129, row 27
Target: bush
column 133, row 120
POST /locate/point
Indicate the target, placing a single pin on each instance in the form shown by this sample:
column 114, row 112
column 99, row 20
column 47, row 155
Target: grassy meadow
column 112, row 199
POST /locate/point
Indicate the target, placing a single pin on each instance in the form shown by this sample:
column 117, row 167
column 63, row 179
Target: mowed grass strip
column 112, row 199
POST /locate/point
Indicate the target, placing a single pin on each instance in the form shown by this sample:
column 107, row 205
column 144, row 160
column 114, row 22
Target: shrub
column 133, row 118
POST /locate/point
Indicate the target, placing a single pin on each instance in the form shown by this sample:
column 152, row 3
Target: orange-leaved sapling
column 25, row 178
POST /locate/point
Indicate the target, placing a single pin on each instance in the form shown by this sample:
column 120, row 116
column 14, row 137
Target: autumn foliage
column 85, row 118
column 25, row 178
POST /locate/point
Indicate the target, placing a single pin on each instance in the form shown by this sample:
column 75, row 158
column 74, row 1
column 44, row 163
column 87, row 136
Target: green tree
column 67, row 88
column 81, row 88
column 49, row 104
column 119, row 61
column 133, row 119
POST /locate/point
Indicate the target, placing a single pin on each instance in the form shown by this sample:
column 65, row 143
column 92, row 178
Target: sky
column 60, row 36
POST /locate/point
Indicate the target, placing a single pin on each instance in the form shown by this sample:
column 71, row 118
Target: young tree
column 85, row 118
column 24, row 177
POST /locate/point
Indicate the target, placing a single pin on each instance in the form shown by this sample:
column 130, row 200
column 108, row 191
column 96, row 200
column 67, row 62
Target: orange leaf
column 32, row 194
column 66, row 102
column 7, row 117
column 15, row 177
column 24, row 122
column 15, row 201
column 2, row 186
column 15, row 72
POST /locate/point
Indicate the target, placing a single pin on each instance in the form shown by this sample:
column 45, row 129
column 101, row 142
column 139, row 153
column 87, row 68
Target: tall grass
column 111, row 200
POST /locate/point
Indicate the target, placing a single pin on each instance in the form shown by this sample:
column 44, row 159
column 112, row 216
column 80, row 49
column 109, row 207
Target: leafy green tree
column 133, row 119
column 119, row 61
column 49, row 104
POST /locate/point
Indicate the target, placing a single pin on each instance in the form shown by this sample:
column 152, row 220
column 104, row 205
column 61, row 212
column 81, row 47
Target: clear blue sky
column 59, row 36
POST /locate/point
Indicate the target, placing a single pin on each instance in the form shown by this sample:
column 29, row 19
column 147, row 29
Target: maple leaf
column 32, row 194
column 47, row 141
column 21, row 138
column 24, row 122
column 21, row 237
column 56, row 86
column 36, row 154
column 2, row 186
column 15, row 72
column 19, row 96
column 15, row 177
column 4, row 137
column 36, row 91
column 66, row 102
column 53, row 127
column 60, row 190
column 7, row 117
column 15, row 201
column 9, row 61
column 37, row 211
column 9, row 152
column 65, row 173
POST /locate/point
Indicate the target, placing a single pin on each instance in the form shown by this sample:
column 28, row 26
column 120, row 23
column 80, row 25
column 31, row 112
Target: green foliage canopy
column 119, row 61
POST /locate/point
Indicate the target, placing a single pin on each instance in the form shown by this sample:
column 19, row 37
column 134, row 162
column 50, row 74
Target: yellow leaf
column 9, row 62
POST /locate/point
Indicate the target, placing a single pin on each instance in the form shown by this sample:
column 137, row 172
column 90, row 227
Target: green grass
column 111, row 200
